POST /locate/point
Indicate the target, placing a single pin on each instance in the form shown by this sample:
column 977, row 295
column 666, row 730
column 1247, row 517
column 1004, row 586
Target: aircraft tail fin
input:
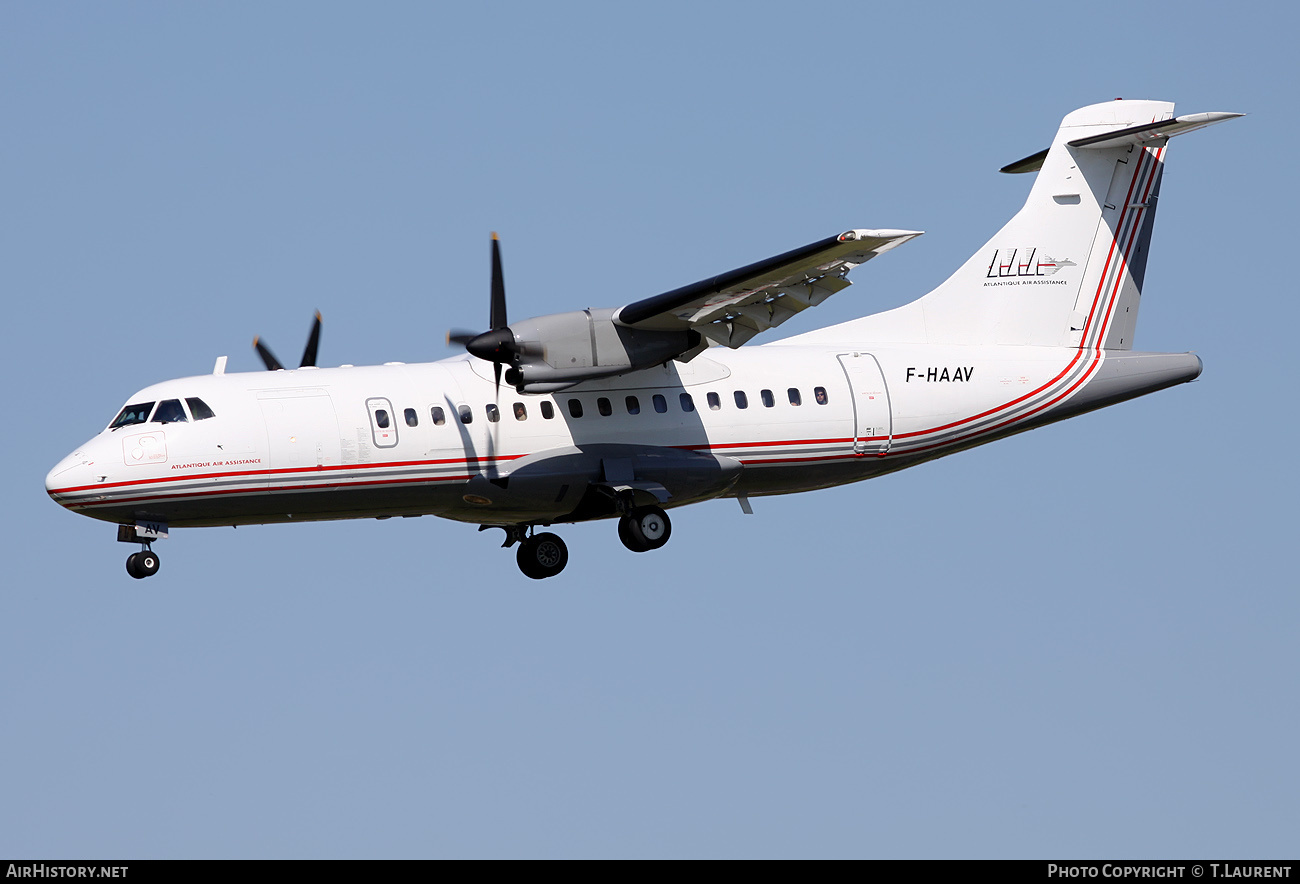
column 1067, row 270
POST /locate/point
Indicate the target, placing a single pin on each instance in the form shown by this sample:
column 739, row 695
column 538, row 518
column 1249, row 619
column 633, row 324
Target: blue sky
column 1075, row 643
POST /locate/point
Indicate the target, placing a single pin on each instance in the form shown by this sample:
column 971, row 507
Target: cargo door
column 873, row 424
column 301, row 428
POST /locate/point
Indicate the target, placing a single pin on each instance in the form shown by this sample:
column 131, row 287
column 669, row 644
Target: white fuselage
column 350, row 442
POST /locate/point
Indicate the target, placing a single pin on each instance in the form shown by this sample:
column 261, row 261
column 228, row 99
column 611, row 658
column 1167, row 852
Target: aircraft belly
column 583, row 482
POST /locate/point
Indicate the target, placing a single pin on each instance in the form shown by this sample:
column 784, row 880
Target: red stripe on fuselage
column 286, row 470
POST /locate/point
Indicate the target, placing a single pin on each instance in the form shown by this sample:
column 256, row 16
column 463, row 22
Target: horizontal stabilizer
column 1148, row 132
column 1142, row 134
column 1031, row 163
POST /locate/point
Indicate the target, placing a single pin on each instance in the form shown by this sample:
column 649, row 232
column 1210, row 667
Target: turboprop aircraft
column 625, row 412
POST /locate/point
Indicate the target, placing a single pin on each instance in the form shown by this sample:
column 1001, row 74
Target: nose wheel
column 644, row 529
column 142, row 564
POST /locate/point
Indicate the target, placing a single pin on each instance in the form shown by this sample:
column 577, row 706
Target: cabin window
column 466, row 414
column 548, row 410
column 661, row 404
column 742, row 401
column 575, row 408
column 819, row 393
column 633, row 406
column 768, row 399
column 438, row 415
column 412, row 419
column 199, row 409
column 493, row 413
column 688, row 404
column 132, row 414
column 715, row 403
column 381, row 419
column 170, row 411
column 795, row 398
column 521, row 411
column 603, row 406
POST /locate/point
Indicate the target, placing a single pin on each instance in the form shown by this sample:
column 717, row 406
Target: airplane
column 624, row 413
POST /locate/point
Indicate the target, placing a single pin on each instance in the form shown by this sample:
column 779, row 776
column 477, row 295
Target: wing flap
column 732, row 307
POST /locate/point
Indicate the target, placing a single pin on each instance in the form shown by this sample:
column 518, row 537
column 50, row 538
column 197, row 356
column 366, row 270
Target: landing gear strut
column 644, row 529
column 142, row 564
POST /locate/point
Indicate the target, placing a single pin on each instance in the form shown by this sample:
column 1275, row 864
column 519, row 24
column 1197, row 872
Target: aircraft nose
column 67, row 473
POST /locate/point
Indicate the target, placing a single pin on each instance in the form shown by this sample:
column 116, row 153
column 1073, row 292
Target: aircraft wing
column 733, row 307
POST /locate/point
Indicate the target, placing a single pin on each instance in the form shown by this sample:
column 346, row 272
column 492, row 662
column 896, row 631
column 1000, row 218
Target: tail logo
column 1015, row 263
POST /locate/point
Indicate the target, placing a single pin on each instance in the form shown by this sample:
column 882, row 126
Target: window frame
column 383, row 437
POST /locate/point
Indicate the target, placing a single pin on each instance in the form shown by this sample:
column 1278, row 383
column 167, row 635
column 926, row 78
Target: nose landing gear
column 142, row 564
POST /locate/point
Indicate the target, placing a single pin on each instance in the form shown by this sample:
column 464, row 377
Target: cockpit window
column 132, row 414
column 199, row 409
column 170, row 411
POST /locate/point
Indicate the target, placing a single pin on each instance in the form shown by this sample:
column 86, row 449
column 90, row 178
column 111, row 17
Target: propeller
column 497, row 344
column 308, row 354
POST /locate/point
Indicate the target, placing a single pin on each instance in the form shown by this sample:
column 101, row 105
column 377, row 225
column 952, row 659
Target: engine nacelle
column 562, row 349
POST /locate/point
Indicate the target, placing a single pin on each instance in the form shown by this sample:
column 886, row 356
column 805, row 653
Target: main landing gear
column 539, row 555
column 544, row 555
column 644, row 528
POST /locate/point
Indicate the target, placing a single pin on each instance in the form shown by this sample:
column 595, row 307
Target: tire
column 625, row 535
column 142, row 564
column 542, row 556
column 649, row 526
column 148, row 563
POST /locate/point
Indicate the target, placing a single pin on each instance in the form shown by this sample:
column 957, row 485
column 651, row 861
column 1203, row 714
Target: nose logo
column 144, row 448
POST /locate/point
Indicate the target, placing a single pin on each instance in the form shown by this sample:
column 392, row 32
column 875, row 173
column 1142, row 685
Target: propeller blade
column 496, row 375
column 272, row 364
column 497, row 344
column 498, row 317
column 313, row 341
